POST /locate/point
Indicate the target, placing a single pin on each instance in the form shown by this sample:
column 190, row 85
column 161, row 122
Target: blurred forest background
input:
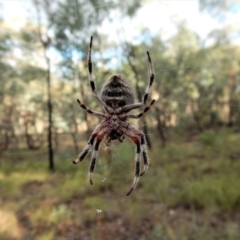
column 192, row 189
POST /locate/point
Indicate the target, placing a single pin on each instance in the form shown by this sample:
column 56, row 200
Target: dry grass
column 190, row 192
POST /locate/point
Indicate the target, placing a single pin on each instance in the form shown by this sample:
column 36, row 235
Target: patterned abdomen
column 116, row 92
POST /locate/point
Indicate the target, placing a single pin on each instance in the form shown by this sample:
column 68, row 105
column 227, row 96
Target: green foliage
column 209, row 138
column 218, row 8
column 190, row 182
column 186, row 185
column 213, row 192
column 60, row 214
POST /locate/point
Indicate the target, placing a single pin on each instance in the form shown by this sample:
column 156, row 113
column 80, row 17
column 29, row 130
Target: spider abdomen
column 115, row 134
column 116, row 92
column 117, row 99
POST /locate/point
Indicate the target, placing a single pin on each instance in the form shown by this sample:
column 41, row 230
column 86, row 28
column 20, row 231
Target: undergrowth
column 189, row 188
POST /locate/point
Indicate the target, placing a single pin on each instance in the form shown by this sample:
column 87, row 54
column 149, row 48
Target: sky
column 161, row 16
column 156, row 16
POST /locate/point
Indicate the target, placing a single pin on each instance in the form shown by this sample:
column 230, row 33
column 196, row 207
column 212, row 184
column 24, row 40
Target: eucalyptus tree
column 192, row 80
column 224, row 41
column 67, row 27
column 218, row 8
column 17, row 74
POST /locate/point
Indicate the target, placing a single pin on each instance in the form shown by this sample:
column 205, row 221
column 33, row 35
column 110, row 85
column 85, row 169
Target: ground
column 191, row 191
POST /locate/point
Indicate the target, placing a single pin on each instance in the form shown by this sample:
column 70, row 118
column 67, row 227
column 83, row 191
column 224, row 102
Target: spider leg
column 137, row 164
column 138, row 138
column 84, row 153
column 89, row 110
column 94, row 156
column 141, row 113
column 92, row 83
column 144, row 153
column 130, row 107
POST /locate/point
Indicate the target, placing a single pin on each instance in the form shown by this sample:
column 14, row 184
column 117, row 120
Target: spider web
column 106, row 180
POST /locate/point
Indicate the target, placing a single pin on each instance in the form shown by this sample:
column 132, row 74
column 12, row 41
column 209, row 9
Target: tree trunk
column 32, row 143
column 196, row 117
column 160, row 127
column 46, row 41
column 49, row 106
column 232, row 83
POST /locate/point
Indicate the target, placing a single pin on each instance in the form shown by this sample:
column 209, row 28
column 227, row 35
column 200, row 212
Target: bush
column 209, row 138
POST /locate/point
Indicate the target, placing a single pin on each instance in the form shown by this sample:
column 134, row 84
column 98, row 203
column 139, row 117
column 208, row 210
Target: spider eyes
column 114, row 94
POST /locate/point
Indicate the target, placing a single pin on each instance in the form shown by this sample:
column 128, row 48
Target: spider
column 117, row 100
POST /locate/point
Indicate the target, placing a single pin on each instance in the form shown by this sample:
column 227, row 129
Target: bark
column 46, row 41
column 4, row 141
column 49, row 106
column 7, row 130
column 196, row 116
column 232, row 84
column 32, row 143
column 160, row 126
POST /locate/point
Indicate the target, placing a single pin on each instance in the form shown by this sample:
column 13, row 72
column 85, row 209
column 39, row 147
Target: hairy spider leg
column 92, row 83
column 95, row 155
column 130, row 107
column 134, row 134
column 91, row 111
column 141, row 113
column 151, row 74
column 137, row 163
column 144, row 153
column 84, row 153
column 143, row 140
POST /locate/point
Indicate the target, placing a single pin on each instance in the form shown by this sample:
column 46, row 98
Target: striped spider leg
column 117, row 100
column 138, row 138
column 90, row 77
column 130, row 107
column 97, row 134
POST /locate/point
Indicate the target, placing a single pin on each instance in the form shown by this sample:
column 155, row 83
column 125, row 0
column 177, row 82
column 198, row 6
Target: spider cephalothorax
column 117, row 100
